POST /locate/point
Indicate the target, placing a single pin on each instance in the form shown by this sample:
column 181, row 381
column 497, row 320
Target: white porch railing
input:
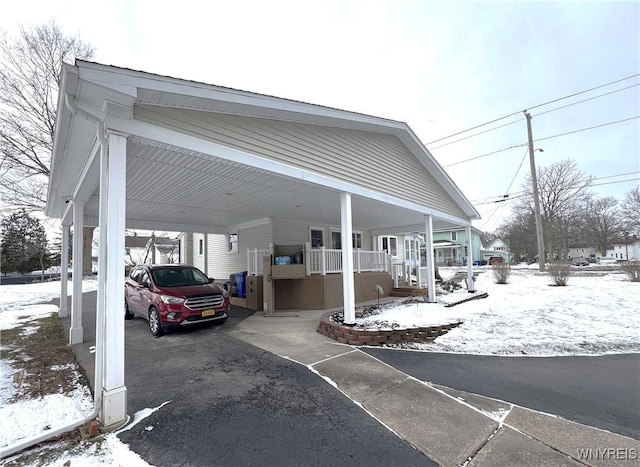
column 254, row 261
column 329, row 261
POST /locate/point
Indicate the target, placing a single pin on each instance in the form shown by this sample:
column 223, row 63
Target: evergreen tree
column 24, row 244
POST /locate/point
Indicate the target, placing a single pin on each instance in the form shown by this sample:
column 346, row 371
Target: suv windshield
column 178, row 277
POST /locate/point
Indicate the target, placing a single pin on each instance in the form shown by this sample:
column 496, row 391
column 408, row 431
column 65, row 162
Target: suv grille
column 204, row 303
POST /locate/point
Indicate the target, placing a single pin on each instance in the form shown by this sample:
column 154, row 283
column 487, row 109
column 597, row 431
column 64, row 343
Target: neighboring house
column 582, row 251
column 451, row 246
column 141, row 249
column 496, row 247
column 625, row 250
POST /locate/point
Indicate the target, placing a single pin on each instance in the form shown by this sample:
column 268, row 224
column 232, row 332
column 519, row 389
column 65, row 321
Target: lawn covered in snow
column 598, row 312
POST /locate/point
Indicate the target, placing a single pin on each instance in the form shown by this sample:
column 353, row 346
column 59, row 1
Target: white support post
column 348, row 288
column 323, row 260
column 76, row 333
column 418, row 263
column 250, row 270
column 114, row 393
column 205, row 246
column 255, row 262
column 471, row 285
column 307, row 258
column 63, row 312
column 358, row 268
column 428, row 245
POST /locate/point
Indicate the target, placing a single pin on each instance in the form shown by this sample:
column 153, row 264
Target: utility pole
column 536, row 196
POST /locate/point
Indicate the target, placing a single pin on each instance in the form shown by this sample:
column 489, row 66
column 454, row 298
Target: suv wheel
column 127, row 311
column 155, row 325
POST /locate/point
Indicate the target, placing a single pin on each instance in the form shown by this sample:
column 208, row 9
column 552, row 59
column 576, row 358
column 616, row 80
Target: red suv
column 495, row 260
column 173, row 296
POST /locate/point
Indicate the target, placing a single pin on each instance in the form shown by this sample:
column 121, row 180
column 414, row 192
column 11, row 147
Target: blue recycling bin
column 241, row 280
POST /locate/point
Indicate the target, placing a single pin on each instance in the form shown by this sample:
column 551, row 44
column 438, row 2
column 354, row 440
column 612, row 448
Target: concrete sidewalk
column 449, row 426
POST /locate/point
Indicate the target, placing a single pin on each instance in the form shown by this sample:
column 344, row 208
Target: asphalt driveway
column 232, row 404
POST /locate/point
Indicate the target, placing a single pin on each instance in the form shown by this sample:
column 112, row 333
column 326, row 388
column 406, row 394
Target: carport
column 142, row 151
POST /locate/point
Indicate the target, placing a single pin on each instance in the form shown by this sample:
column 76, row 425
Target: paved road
column 234, row 404
column 599, row 391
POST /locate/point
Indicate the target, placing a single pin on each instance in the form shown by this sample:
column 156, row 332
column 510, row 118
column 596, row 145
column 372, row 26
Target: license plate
column 208, row 313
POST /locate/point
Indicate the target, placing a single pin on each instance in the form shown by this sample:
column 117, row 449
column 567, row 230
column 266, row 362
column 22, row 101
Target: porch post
column 428, row 245
column 348, row 289
column 76, row 333
column 418, row 262
column 205, row 251
column 114, row 393
column 64, row 273
column 472, row 285
column 323, row 260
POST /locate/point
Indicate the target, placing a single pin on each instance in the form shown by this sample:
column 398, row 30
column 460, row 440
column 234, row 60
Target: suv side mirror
column 211, row 280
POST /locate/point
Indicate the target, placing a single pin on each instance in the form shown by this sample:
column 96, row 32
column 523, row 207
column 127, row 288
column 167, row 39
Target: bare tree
column 630, row 211
column 519, row 231
column 601, row 223
column 563, row 190
column 30, row 67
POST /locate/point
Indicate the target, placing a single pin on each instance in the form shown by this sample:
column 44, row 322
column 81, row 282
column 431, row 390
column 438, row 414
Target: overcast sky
column 441, row 67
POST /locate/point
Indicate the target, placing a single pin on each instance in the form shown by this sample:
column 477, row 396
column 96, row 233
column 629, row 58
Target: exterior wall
column 351, row 156
column 292, row 232
column 325, row 292
column 223, row 263
column 197, row 258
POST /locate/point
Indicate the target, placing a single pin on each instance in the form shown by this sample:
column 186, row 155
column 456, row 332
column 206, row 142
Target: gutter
column 99, row 350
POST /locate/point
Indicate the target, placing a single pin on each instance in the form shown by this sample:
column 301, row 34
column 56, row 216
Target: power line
column 540, row 139
column 510, row 196
column 485, row 155
column 535, row 115
column 585, row 100
column 588, row 128
column 533, row 107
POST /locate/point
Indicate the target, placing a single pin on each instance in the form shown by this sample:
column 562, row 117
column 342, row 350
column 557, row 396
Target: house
column 135, row 150
column 140, row 249
column 496, row 247
column 452, row 248
column 625, row 250
column 582, row 251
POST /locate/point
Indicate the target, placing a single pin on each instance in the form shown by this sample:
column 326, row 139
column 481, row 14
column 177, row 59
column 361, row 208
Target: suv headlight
column 168, row 299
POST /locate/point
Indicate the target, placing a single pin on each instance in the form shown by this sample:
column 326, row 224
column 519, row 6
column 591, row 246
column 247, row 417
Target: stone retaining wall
column 380, row 335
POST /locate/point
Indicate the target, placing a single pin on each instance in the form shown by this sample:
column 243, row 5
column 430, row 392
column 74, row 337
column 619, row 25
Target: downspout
column 99, row 357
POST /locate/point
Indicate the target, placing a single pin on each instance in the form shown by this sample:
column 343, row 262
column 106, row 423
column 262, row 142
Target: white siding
column 293, row 232
column 222, row 263
column 375, row 161
column 198, row 260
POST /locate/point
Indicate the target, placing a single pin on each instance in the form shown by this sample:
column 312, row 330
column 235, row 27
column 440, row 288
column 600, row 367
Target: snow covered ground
column 597, row 313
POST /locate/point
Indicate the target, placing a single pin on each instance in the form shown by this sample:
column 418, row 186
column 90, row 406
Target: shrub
column 560, row 272
column 632, row 268
column 501, row 272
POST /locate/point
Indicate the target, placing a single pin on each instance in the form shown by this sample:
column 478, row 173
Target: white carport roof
column 177, row 181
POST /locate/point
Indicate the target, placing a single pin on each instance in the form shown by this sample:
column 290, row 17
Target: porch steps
column 408, row 291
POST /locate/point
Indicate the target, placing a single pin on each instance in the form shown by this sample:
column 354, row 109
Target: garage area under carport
column 141, row 151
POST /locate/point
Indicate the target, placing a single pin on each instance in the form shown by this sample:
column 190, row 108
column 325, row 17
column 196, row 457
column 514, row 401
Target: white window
column 454, row 236
column 232, row 243
column 336, row 239
column 316, row 236
column 200, row 247
column 390, row 245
